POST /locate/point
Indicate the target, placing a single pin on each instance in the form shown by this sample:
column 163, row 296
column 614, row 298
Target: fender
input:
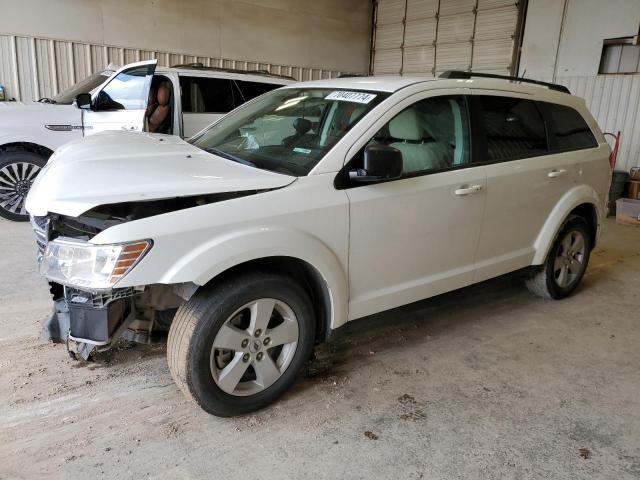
column 41, row 141
column 574, row 197
column 210, row 259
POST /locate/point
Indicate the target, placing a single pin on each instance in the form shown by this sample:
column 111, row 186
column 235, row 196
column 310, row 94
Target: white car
column 308, row 207
column 181, row 100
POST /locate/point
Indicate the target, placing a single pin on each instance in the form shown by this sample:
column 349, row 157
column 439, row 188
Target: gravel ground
column 485, row 382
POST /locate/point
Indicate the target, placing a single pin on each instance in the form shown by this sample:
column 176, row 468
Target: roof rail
column 201, row 66
column 457, row 74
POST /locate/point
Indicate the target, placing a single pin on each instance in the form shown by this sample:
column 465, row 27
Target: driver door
column 122, row 102
column 416, row 236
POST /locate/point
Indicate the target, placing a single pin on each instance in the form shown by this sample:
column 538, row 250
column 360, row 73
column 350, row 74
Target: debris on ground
column 585, row 453
column 370, row 435
column 406, row 399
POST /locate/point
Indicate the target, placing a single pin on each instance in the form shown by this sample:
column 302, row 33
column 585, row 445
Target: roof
column 381, row 84
column 257, row 76
column 394, row 83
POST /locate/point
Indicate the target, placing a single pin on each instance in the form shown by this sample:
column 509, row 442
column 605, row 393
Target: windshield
column 287, row 131
column 83, row 86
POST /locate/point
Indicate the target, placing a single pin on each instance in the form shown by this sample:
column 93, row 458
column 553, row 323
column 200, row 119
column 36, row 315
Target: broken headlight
column 84, row 265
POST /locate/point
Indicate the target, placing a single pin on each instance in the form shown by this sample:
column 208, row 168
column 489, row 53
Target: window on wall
column 620, row 55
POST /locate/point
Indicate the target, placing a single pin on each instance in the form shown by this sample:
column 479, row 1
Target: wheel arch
column 583, row 201
column 303, row 273
column 36, row 148
column 290, row 251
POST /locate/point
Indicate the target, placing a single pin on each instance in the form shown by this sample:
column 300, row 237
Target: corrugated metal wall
column 31, row 68
column 614, row 100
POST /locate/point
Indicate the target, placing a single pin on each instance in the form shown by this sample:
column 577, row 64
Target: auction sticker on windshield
column 357, row 97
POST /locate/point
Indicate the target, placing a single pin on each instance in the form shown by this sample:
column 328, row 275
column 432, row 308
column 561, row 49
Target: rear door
column 525, row 179
column 121, row 103
column 205, row 100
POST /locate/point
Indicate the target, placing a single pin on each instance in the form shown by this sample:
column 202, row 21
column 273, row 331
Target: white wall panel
column 614, row 100
column 31, row 68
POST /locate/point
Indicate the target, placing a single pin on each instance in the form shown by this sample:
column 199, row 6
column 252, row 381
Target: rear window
column 209, row 95
column 514, row 128
column 568, row 131
column 254, row 89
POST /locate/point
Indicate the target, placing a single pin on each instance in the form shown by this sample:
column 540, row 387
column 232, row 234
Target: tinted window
column 569, row 131
column 126, row 91
column 514, row 128
column 208, row 95
column 255, row 89
column 431, row 134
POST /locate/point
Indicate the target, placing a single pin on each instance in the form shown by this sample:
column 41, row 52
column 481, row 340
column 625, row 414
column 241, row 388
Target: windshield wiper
column 228, row 156
column 47, row 100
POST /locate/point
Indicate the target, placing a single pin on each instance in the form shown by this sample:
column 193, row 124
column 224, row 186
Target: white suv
column 181, row 100
column 310, row 206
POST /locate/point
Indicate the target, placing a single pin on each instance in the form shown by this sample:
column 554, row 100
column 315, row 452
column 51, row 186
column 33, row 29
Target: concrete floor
column 486, row 382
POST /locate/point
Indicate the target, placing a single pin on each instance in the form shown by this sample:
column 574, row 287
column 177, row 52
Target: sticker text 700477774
column 357, row 97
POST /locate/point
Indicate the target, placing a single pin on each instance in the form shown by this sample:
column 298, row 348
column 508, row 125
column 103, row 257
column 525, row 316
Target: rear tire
column 18, row 170
column 225, row 365
column 566, row 262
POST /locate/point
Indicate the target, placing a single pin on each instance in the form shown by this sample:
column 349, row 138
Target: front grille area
column 96, row 300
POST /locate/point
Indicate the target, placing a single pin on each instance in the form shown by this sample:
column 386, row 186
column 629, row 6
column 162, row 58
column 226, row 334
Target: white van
column 180, row 100
column 308, row 207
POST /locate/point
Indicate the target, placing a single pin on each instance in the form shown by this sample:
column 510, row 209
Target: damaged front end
column 92, row 317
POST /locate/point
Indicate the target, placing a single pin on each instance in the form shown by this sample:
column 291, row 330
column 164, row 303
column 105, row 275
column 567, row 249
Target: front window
column 84, row 86
column 288, row 131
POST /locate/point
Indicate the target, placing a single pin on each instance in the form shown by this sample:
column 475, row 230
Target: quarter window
column 209, row 95
column 514, row 128
column 569, row 131
column 431, row 134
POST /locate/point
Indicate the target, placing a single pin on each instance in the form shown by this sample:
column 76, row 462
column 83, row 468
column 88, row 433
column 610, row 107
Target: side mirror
column 83, row 101
column 380, row 163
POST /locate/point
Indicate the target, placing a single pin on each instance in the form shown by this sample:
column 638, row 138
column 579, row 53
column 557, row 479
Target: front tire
column 18, row 170
column 566, row 263
column 238, row 346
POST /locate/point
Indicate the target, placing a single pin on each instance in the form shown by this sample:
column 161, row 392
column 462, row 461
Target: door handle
column 556, row 173
column 468, row 190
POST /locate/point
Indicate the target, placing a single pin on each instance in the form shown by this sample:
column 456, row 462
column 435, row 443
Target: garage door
column 431, row 36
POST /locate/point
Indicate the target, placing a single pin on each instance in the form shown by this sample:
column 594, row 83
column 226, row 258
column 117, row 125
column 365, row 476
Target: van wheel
column 238, row 346
column 18, row 170
column 566, row 263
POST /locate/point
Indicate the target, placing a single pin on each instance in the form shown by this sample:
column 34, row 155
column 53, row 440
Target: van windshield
column 83, row 86
column 288, row 130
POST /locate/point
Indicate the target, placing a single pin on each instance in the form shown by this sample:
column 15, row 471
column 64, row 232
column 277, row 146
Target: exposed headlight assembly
column 85, row 265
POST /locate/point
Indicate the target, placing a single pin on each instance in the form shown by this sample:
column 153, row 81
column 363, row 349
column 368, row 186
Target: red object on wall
column 613, row 158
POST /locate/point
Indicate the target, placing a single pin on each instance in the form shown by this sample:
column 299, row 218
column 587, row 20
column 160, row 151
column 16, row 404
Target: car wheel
column 566, row 263
column 237, row 346
column 18, row 170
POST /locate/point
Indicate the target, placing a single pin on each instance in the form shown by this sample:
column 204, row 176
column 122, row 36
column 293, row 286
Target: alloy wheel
column 254, row 347
column 15, row 181
column 570, row 258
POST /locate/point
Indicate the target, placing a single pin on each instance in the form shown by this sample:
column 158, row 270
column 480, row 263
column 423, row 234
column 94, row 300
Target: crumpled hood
column 115, row 167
